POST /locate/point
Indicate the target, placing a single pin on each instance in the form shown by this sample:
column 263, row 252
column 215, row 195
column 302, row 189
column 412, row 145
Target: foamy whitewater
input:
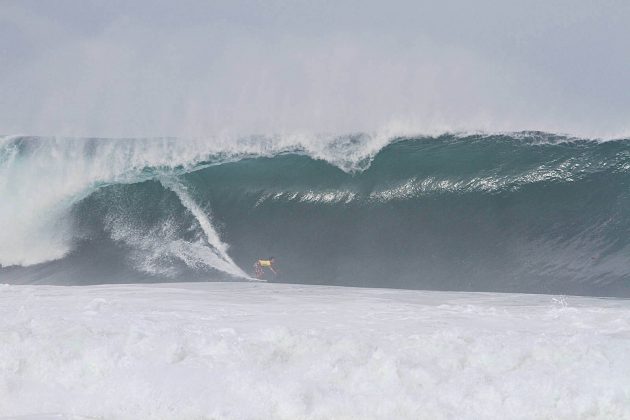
column 253, row 351
column 126, row 271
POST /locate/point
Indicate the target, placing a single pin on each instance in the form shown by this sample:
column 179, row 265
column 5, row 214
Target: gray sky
column 194, row 68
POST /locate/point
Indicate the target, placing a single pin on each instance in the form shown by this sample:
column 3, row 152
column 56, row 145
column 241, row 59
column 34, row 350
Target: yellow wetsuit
column 264, row 263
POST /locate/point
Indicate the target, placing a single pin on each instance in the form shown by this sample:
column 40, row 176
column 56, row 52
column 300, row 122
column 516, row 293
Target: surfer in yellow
column 260, row 265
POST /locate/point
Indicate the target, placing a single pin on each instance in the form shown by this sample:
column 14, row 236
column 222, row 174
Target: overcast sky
column 195, row 68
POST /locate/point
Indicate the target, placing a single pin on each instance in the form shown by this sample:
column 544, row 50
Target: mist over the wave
column 196, row 68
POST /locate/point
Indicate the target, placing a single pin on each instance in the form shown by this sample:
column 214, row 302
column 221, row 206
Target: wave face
column 526, row 212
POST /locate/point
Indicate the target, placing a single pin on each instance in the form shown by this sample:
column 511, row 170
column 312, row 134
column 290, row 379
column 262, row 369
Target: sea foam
column 242, row 350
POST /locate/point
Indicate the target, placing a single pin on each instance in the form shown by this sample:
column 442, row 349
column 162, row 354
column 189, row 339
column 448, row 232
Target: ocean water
column 462, row 219
column 521, row 212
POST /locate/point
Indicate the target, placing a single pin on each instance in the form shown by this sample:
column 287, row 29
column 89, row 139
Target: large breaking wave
column 525, row 212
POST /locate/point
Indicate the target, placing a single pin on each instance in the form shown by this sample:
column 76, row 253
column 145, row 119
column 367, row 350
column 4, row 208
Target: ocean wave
column 504, row 212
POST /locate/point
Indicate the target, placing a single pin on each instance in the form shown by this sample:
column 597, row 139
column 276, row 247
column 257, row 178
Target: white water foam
column 251, row 351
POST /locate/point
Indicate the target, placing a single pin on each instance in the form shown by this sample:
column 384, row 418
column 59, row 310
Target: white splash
column 217, row 250
column 240, row 350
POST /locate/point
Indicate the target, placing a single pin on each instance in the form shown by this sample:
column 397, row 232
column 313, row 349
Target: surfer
column 259, row 267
